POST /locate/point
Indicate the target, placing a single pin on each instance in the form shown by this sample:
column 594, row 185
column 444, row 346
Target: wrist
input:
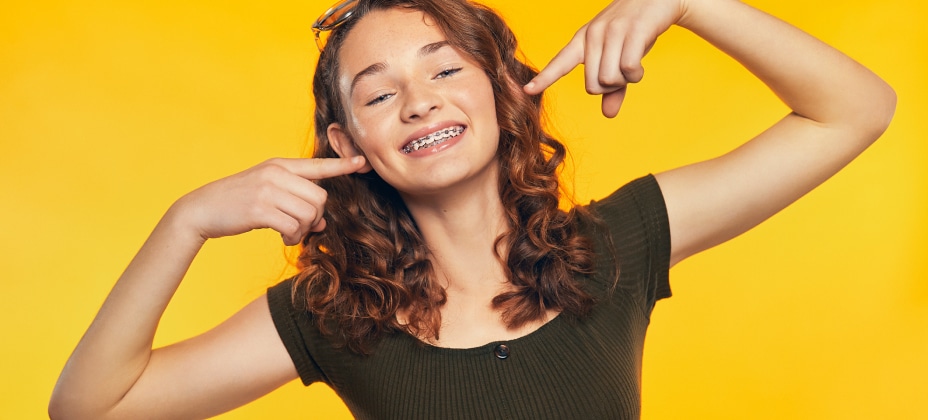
column 179, row 222
column 692, row 10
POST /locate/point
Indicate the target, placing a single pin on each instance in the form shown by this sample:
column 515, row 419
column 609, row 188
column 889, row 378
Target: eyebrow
column 381, row 67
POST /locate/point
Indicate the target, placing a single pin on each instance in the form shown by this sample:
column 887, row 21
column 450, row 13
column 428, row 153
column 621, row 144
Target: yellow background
column 110, row 110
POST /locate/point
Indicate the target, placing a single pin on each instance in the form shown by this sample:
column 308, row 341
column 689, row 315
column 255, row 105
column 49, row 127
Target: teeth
column 433, row 139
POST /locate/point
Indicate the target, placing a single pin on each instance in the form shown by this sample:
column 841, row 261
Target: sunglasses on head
column 337, row 15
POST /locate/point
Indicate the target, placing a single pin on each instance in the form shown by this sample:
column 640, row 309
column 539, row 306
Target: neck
column 460, row 226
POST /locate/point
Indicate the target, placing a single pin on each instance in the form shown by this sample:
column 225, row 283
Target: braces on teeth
column 433, row 139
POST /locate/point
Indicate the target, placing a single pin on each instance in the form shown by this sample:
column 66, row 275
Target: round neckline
column 489, row 346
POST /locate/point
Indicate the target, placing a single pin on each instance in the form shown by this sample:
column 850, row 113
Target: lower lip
column 437, row 148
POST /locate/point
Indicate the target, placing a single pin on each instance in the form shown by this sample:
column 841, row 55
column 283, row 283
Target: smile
column 433, row 139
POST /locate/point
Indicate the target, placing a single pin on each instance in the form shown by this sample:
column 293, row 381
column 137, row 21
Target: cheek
column 356, row 128
column 361, row 135
column 486, row 98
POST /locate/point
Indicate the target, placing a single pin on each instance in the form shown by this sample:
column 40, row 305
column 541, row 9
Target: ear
column 342, row 144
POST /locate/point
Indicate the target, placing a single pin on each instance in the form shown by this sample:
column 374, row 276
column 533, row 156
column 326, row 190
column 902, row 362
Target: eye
column 449, row 72
column 379, row 99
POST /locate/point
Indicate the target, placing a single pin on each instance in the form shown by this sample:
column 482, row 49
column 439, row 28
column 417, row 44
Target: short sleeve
column 296, row 330
column 638, row 237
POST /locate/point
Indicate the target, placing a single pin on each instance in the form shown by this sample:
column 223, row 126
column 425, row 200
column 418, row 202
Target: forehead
column 386, row 36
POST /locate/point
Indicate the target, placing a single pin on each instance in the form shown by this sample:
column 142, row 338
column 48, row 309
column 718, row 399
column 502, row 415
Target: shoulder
column 631, row 235
column 637, row 204
column 296, row 329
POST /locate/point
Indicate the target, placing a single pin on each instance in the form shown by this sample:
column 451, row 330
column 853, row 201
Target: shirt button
column 501, row 351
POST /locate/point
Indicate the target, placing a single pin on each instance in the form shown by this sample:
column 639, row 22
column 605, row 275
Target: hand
column 277, row 194
column 611, row 47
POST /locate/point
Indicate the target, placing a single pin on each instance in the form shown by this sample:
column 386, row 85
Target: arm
column 838, row 109
column 113, row 372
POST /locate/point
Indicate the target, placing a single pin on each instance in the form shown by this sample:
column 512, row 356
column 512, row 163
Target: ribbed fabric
column 588, row 368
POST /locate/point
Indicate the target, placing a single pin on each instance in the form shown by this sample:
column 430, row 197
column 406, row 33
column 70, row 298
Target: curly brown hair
column 371, row 261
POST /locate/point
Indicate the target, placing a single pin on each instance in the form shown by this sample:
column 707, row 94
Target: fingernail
column 356, row 159
column 530, row 84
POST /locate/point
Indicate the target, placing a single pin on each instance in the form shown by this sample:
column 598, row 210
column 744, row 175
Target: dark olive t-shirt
column 586, row 368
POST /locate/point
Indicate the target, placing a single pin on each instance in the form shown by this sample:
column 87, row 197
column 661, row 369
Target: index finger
column 320, row 168
column 566, row 60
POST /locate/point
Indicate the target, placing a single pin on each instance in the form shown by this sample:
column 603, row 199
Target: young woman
column 439, row 278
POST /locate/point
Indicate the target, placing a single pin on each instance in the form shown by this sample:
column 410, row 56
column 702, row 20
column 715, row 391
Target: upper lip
column 429, row 129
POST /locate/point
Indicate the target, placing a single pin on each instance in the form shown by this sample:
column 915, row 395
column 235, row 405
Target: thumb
column 612, row 102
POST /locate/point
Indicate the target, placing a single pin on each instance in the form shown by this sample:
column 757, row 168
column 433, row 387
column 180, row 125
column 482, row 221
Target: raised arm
column 838, row 109
column 114, row 373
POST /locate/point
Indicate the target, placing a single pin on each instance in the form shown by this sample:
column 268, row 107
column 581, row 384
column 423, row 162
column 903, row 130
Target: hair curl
column 371, row 261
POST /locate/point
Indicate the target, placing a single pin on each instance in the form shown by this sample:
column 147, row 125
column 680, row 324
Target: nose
column 420, row 101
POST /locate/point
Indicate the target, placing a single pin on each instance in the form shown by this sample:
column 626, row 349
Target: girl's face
column 422, row 113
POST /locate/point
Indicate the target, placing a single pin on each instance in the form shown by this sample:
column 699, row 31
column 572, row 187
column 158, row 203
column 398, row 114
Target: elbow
column 63, row 407
column 64, row 404
column 54, row 412
column 57, row 409
column 60, row 409
column 57, row 406
column 882, row 107
column 889, row 106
